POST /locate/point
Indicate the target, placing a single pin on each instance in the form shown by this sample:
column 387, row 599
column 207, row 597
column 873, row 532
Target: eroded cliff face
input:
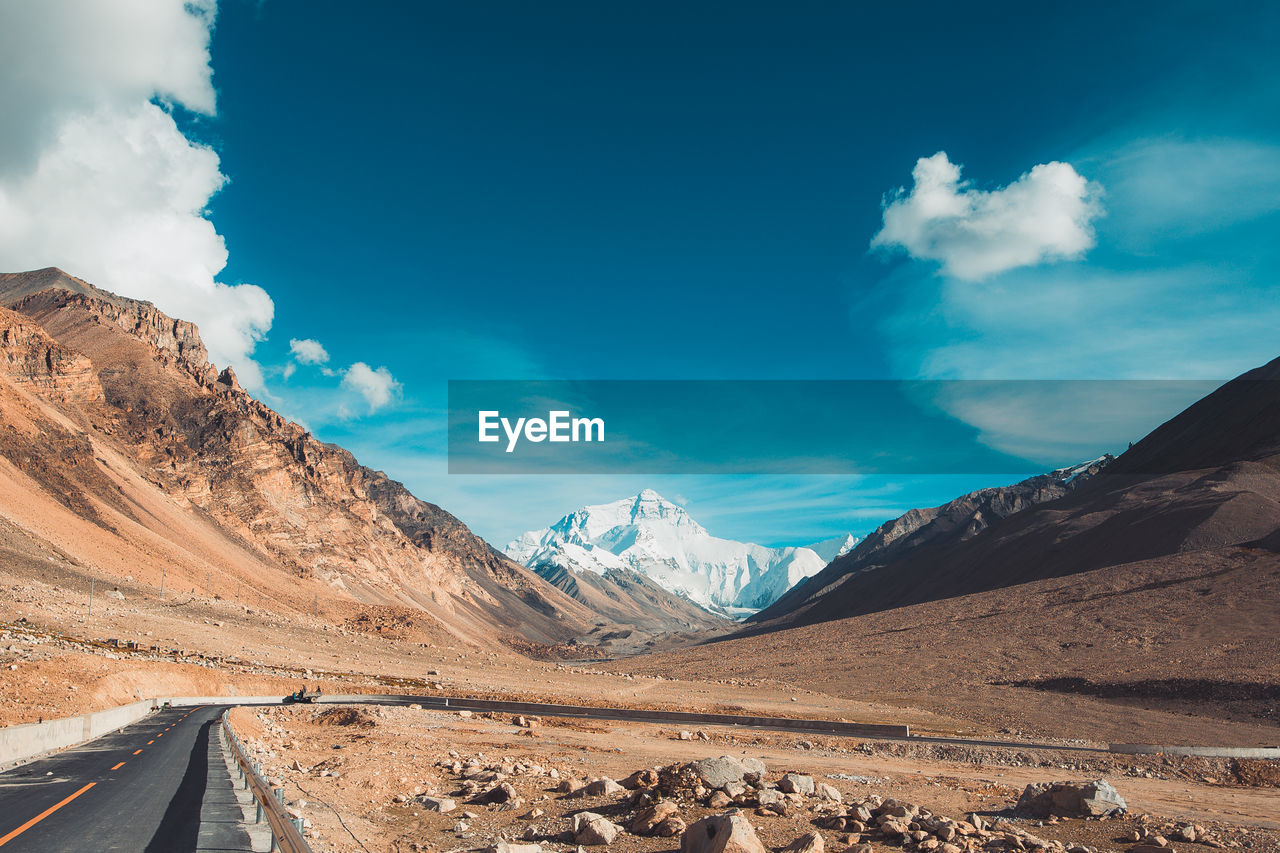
column 29, row 356
column 141, row 380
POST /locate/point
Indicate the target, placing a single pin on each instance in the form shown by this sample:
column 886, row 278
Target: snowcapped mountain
column 658, row 539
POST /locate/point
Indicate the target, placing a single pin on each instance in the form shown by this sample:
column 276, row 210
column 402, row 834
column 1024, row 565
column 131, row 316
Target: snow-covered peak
column 653, row 536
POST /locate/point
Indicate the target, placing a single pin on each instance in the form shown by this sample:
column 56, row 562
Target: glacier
column 650, row 535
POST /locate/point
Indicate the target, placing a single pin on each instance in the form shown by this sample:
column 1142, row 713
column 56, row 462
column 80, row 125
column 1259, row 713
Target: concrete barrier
column 1269, row 752
column 29, row 740
column 190, row 701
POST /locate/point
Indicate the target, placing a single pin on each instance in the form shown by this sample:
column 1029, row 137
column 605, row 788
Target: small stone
column 719, row 799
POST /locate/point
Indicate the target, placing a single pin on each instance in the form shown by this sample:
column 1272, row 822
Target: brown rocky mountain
column 112, row 410
column 1141, row 603
column 932, row 527
column 1206, row 480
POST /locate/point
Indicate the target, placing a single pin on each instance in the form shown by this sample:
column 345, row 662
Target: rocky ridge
column 119, row 372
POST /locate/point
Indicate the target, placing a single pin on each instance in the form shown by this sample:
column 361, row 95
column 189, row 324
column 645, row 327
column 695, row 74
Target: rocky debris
column 726, row 833
column 718, row 800
column 508, row 847
column 641, row 779
column 501, row 793
column 601, row 787
column 593, row 829
column 437, row 804
column 795, row 783
column 708, row 774
column 808, row 843
column 828, row 792
column 649, row 818
column 1071, row 799
column 670, row 828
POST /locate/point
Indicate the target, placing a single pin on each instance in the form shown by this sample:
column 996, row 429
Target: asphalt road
column 138, row 790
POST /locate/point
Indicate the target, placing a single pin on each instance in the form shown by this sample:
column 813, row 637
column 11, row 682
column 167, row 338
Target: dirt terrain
column 372, row 766
column 1165, row 668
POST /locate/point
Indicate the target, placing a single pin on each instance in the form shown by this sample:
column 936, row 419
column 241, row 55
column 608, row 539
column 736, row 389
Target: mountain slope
column 1140, row 604
column 657, row 539
column 132, row 394
column 926, row 529
column 1206, row 480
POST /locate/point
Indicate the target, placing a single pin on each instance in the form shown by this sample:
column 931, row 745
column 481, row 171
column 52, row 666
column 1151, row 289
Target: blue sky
column 659, row 191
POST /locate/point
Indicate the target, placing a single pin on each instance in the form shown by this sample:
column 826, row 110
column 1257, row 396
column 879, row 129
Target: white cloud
column 1045, row 215
column 308, row 351
column 96, row 178
column 378, row 387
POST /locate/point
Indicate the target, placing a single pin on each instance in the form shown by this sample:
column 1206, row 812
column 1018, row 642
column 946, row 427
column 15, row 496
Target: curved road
column 138, row 789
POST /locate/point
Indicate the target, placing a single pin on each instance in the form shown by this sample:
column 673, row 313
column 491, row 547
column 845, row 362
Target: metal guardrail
column 286, row 832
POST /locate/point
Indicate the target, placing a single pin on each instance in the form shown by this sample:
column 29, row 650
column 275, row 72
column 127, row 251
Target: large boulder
column 1071, row 799
column 718, row 772
column 592, row 829
column 796, row 783
column 725, row 833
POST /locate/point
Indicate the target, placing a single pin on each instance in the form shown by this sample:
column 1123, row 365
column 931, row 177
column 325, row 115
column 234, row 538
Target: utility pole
column 163, row 569
column 91, row 583
column 208, row 576
column 314, row 604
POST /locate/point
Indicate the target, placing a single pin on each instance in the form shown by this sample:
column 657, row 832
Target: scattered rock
column 508, row 847
column 647, row 820
column 437, row 804
column 718, row 772
column 808, row 843
column 670, row 828
column 795, row 783
column 719, row 799
column 1071, row 799
column 828, row 792
column 727, row 833
column 599, row 788
column 641, row 779
column 501, row 793
column 592, row 829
